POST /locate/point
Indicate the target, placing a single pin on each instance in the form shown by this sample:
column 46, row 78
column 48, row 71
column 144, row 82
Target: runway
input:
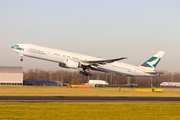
column 86, row 99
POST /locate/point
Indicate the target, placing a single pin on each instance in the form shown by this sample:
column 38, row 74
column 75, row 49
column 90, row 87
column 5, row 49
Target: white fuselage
column 60, row 56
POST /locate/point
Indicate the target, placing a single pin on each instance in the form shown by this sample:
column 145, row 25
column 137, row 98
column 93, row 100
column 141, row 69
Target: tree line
column 73, row 77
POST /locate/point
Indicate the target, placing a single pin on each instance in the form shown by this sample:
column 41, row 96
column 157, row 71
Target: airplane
column 72, row 60
column 170, row 84
column 166, row 84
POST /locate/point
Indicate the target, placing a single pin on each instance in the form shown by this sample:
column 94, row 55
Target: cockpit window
column 16, row 45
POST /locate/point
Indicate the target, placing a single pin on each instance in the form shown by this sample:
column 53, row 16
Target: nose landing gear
column 21, row 59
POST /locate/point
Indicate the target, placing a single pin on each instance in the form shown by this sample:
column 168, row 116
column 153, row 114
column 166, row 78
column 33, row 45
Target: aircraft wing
column 100, row 62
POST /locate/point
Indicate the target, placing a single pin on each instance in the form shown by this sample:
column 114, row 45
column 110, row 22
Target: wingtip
column 125, row 57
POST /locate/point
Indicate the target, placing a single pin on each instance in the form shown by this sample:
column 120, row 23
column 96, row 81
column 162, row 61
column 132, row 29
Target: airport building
column 11, row 75
column 42, row 83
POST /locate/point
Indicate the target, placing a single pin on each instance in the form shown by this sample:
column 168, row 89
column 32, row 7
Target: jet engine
column 70, row 64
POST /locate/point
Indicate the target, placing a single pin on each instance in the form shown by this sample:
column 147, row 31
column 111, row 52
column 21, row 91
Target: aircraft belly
column 115, row 70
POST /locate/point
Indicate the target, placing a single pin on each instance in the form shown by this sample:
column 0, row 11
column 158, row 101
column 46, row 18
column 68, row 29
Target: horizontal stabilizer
column 155, row 73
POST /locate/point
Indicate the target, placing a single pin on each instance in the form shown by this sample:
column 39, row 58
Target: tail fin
column 153, row 61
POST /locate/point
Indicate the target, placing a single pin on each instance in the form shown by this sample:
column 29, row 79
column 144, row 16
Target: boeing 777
column 87, row 63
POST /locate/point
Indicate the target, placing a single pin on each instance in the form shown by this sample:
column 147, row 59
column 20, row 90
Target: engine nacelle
column 70, row 64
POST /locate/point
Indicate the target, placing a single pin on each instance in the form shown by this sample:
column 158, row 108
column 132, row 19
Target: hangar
column 11, row 75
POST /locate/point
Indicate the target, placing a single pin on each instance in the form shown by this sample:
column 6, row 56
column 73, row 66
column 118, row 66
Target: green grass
column 64, row 91
column 90, row 111
column 86, row 110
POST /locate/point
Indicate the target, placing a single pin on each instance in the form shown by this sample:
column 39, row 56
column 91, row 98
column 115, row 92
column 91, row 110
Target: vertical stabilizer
column 151, row 63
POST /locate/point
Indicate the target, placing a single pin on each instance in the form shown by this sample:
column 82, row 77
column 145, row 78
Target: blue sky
column 102, row 28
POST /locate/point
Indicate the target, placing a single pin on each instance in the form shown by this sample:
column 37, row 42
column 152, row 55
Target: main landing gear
column 86, row 72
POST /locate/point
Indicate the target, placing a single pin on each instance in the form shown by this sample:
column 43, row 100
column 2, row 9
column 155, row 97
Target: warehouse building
column 11, row 75
column 42, row 83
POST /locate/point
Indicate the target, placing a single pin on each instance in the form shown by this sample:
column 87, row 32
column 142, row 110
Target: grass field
column 89, row 111
column 63, row 91
column 86, row 110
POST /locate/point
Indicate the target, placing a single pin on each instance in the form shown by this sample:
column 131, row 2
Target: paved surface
column 86, row 99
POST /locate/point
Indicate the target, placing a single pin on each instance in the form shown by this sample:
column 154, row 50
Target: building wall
column 11, row 76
